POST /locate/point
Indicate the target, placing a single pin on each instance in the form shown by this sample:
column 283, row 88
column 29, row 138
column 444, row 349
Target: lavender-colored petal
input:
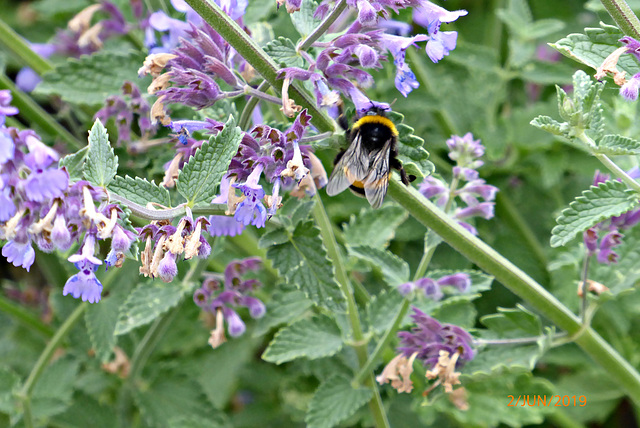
column 84, row 284
column 256, row 307
column 19, row 254
column 461, row 281
column 440, row 44
column 27, row 79
column 7, row 146
column 221, row 225
column 235, row 323
column 167, row 269
column 7, row 206
column 430, row 287
column 46, row 184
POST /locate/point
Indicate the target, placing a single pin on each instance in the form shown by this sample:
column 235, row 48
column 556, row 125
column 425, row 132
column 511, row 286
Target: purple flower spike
column 19, row 254
column 430, row 287
column 256, row 307
column 84, row 284
column 167, row 269
column 46, row 184
column 87, row 253
column 7, row 206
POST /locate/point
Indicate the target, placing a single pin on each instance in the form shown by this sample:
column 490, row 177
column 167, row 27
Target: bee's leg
column 395, row 163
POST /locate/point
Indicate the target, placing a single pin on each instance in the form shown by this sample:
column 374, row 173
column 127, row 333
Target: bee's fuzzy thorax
column 376, row 119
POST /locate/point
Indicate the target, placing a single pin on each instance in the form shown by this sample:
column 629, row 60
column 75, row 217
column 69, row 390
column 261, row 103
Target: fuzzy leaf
column 488, row 399
column 52, row 394
column 334, row 401
column 374, row 228
column 608, row 199
column 91, row 78
column 618, row 145
column 382, row 309
column 311, row 338
column 513, row 322
column 75, row 163
column 286, row 305
column 303, row 20
column 411, row 151
column 200, row 177
column 551, row 126
column 101, row 323
column 395, row 271
column 147, row 302
column 274, row 237
column 303, row 262
column 140, row 191
column 102, row 164
column 594, row 46
column 283, row 51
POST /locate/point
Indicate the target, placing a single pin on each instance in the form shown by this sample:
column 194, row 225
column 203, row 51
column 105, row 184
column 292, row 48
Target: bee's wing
column 377, row 180
column 352, row 166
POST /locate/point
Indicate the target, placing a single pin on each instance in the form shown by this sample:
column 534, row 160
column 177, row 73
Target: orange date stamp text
column 547, row 400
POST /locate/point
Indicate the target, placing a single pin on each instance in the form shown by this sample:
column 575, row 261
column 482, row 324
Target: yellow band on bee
column 377, row 119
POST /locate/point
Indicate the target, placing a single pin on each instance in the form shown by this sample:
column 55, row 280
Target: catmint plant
column 181, row 264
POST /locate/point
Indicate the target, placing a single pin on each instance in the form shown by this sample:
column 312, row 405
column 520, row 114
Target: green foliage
column 374, row 228
column 618, row 145
column 199, row 178
column 91, row 78
column 286, row 305
column 140, row 191
column 310, row 338
column 283, row 51
column 102, row 164
column 411, row 151
column 610, row 198
column 303, row 20
column 395, row 271
column 101, row 324
column 335, row 401
column 302, row 261
column 74, row 163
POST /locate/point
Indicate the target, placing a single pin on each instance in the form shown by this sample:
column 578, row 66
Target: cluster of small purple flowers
column 466, row 152
column 123, row 108
column 38, row 204
column 220, row 299
column 164, row 243
column 432, row 288
column 364, row 44
column 601, row 239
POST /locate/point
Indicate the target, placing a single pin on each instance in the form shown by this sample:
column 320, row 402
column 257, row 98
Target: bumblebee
column 365, row 165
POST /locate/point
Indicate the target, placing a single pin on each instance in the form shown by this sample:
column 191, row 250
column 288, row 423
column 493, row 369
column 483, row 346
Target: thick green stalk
column 519, row 283
column 30, row 110
column 243, row 122
column 360, row 345
column 257, row 58
column 21, row 49
column 623, row 16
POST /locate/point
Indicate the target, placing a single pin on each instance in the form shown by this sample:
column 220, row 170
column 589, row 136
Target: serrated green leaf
column 91, row 78
column 84, row 412
column 262, row 33
column 274, row 237
column 334, row 401
column 374, row 228
column 9, row 384
column 618, row 145
column 608, row 199
column 170, row 397
column 310, row 338
column 102, row 164
column 52, row 394
column 303, row 20
column 496, row 358
column 411, row 151
column 382, row 309
column 74, row 163
column 140, row 191
column 200, row 177
column 457, row 310
column 624, row 274
column 509, row 323
column 488, row 399
column 303, row 262
column 395, row 271
column 196, row 422
column 552, row 126
column 147, row 302
column 101, row 323
column 283, row 51
column 593, row 47
column 285, row 306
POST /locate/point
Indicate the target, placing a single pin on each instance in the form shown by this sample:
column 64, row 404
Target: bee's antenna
column 392, row 103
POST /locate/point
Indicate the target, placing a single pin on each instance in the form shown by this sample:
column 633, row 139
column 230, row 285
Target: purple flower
column 405, row 79
column 429, row 337
column 27, row 79
column 87, row 254
column 84, row 284
column 235, row 323
column 629, row 91
column 251, row 210
column 167, row 269
column 19, row 254
column 6, row 109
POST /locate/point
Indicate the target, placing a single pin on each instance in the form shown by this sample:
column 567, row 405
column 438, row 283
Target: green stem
column 168, row 213
column 360, row 345
column 324, row 26
column 25, row 317
column 30, row 110
column 424, row 262
column 382, row 344
column 21, row 49
column 618, row 172
column 519, row 283
column 257, row 58
column 585, row 276
column 243, row 122
column 43, row 360
column 623, row 16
